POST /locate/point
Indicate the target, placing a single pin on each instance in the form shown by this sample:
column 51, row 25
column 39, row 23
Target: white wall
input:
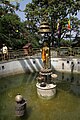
column 34, row 65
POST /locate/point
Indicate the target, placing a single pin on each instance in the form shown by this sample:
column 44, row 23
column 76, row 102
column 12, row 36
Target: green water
column 65, row 105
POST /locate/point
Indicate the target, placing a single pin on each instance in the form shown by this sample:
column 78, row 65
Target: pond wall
column 24, row 65
column 68, row 64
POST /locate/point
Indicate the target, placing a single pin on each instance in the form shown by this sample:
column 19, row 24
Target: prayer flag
column 69, row 25
column 59, row 27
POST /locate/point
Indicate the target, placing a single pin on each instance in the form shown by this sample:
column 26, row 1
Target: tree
column 52, row 10
column 13, row 32
column 7, row 7
column 76, row 29
column 9, row 24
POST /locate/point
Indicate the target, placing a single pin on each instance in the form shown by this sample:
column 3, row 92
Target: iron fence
column 36, row 52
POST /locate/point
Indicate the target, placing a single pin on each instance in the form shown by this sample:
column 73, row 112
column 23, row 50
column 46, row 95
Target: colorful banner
column 57, row 25
column 69, row 25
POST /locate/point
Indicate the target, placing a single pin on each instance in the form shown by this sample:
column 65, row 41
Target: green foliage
column 64, row 43
column 52, row 11
column 12, row 31
column 16, row 34
column 9, row 24
column 7, row 7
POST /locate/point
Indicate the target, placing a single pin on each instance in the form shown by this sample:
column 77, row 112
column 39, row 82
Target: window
column 62, row 65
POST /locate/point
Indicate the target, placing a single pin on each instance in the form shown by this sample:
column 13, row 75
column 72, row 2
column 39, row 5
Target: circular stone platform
column 46, row 71
column 46, row 92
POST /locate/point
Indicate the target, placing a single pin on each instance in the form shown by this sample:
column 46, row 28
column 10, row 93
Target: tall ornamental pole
column 45, row 32
column 45, row 87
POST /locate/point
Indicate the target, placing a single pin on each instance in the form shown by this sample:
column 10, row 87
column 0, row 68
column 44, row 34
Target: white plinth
column 47, row 92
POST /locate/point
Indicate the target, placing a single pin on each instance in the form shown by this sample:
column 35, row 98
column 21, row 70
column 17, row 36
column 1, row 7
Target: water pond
column 64, row 106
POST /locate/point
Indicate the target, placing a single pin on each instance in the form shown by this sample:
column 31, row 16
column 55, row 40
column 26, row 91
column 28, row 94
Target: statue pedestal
column 46, row 92
column 46, row 89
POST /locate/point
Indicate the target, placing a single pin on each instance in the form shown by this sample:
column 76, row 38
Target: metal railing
column 55, row 52
column 20, row 53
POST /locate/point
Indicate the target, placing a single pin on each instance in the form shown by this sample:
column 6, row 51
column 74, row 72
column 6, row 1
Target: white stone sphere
column 18, row 98
column 54, row 76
